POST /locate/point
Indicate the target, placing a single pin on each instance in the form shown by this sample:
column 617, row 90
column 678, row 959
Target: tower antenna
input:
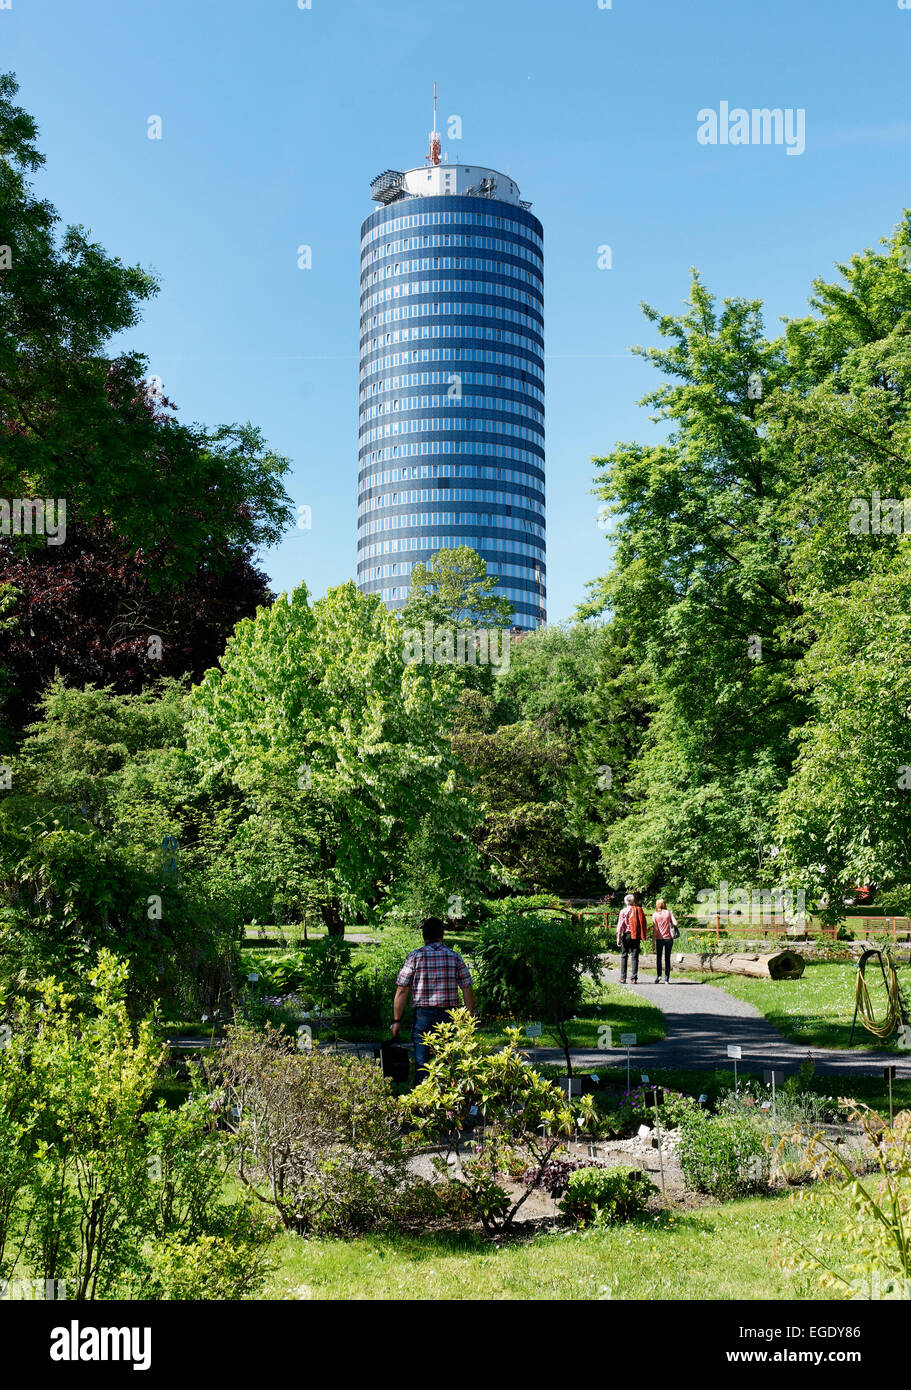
column 433, row 157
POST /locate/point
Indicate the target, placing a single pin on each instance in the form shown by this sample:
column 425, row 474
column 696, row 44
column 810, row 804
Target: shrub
column 868, row 1253
column 371, row 990
column 724, row 1155
column 521, row 1121
column 423, row 1204
column 327, row 973
column 599, row 1196
column 319, row 978
column 317, row 1136
column 91, row 1180
column 534, row 966
column 279, row 972
column 622, row 1118
column 555, row 1176
column 229, row 1264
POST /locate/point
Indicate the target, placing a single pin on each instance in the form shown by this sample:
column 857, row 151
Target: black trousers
column 663, row 948
column 629, row 950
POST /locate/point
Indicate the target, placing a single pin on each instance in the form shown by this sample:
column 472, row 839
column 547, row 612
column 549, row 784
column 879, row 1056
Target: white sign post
column 659, row 1096
column 534, row 1031
column 773, row 1079
column 889, row 1074
column 735, row 1054
column 627, row 1040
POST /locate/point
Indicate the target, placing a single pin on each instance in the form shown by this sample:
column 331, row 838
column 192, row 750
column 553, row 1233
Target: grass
column 816, row 1009
column 621, row 1009
column 723, row 1252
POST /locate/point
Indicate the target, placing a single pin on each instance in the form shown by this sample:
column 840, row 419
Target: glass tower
column 451, row 423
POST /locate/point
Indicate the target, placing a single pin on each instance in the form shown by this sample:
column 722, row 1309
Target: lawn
column 624, row 1011
column 817, row 1008
column 723, row 1252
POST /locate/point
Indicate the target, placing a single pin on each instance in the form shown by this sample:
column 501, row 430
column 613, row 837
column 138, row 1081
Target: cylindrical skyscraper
column 451, row 441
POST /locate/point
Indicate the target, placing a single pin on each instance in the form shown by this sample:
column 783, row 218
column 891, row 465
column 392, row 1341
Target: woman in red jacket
column 631, row 932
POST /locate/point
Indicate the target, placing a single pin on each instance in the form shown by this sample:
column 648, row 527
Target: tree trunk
column 332, row 917
column 772, row 965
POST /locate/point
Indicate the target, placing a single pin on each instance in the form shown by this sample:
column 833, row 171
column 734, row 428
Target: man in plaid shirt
column 434, row 975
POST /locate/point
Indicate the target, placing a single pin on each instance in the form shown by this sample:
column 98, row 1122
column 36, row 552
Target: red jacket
column 632, row 922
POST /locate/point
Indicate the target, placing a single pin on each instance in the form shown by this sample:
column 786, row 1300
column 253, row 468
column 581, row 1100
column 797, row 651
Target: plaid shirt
column 434, row 973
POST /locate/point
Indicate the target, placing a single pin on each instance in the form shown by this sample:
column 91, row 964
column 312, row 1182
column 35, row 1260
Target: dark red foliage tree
column 88, row 610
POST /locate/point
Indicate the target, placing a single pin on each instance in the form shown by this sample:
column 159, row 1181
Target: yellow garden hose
column 894, row 1016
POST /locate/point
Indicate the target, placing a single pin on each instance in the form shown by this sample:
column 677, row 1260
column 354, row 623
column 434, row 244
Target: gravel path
column 702, row 1020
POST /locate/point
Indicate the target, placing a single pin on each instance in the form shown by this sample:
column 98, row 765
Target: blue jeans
column 424, row 1020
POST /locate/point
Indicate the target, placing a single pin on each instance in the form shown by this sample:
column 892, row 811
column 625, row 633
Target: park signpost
column 658, row 1099
column 627, row 1040
column 773, row 1079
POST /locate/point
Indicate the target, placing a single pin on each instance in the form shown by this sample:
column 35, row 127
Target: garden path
column 703, row 1019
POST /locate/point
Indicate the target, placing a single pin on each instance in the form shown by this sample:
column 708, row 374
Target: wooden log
column 769, row 965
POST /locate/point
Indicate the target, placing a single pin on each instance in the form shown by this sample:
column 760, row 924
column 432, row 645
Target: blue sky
column 276, row 118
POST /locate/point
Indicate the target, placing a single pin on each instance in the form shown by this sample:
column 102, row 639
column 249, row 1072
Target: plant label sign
column 253, row 977
column 774, row 1078
column 734, row 1051
column 628, row 1039
column 534, row 1030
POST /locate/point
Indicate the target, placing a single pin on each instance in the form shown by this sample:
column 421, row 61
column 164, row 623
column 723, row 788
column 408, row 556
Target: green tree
column 759, row 589
column 701, row 594
column 101, row 786
column 339, row 750
column 845, row 817
column 574, row 692
column 520, row 775
column 456, row 588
